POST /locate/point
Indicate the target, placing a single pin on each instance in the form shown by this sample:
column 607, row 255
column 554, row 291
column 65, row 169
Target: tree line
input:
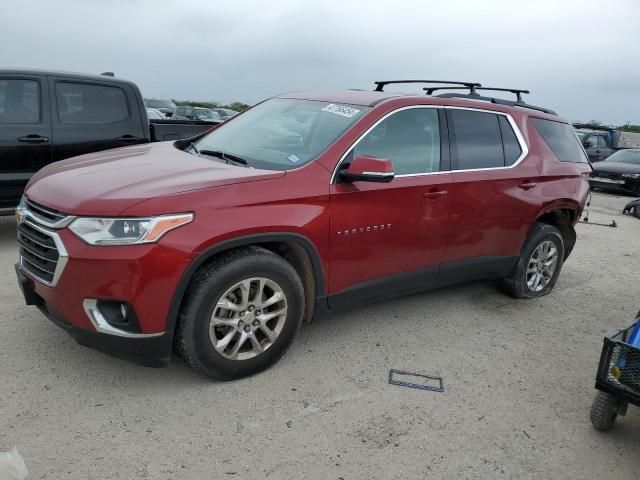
column 625, row 128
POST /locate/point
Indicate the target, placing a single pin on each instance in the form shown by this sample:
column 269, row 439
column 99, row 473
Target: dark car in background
column 225, row 113
column 165, row 106
column 197, row 113
column 619, row 172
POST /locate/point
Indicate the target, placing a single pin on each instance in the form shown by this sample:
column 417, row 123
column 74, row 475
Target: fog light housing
column 119, row 315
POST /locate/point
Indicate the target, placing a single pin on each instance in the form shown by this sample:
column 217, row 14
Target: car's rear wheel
column 241, row 314
column 539, row 264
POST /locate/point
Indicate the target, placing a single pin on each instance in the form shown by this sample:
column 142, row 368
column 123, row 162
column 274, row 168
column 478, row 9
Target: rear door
column 90, row 116
column 392, row 235
column 25, row 133
column 494, row 196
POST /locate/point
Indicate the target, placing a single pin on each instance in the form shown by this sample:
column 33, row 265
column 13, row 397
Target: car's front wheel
column 241, row 314
column 539, row 264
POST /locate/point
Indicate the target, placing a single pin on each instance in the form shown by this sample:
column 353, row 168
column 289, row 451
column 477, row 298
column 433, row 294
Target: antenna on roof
column 470, row 85
column 108, row 74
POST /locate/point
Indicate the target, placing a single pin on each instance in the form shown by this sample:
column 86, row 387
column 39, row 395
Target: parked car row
column 168, row 109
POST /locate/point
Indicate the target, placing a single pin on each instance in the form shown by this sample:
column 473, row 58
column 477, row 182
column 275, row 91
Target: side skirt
column 405, row 283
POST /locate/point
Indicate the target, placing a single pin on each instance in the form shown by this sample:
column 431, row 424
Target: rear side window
column 19, row 101
column 82, row 103
column 512, row 149
column 477, row 141
column 561, row 139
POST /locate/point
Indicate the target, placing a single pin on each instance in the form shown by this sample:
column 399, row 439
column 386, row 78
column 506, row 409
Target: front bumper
column 152, row 351
column 615, row 183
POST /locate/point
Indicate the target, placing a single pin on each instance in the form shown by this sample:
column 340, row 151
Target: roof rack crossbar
column 381, row 84
column 498, row 101
column 518, row 92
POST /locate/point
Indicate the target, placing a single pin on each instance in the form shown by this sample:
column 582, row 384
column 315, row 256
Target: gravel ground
column 518, row 377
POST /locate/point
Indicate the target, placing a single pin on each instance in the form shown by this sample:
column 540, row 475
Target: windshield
column 206, row 114
column 153, row 103
column 281, row 133
column 625, row 156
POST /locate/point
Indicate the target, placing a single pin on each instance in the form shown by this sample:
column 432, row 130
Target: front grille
column 45, row 215
column 39, row 253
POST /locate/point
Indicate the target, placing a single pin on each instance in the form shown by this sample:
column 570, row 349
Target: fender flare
column 202, row 257
column 566, row 226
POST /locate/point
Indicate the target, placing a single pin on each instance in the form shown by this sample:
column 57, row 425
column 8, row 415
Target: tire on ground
column 515, row 284
column 208, row 286
column 603, row 411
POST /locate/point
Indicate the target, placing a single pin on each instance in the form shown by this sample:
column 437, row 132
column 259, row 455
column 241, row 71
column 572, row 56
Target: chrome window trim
column 523, row 145
column 63, row 256
column 101, row 325
column 379, row 174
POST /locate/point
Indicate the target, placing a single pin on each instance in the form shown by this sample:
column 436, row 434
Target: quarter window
column 477, row 141
column 409, row 138
column 81, row 103
column 561, row 139
column 19, row 101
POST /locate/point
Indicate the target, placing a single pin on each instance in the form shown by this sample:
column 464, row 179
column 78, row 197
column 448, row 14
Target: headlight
column 126, row 231
column 631, row 175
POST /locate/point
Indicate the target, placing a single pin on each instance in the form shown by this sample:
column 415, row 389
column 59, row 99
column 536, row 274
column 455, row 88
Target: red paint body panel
column 361, row 231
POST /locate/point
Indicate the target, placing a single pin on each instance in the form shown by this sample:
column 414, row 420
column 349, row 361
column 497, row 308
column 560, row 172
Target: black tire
column 603, row 411
column 192, row 335
column 635, row 211
column 515, row 284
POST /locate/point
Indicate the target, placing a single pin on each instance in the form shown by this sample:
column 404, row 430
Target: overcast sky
column 581, row 58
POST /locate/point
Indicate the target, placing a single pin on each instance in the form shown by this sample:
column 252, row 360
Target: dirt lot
column 518, row 377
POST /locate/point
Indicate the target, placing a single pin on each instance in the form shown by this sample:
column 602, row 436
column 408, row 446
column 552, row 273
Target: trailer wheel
column 604, row 411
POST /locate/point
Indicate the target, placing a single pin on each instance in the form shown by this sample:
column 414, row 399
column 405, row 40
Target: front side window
column 561, row 139
column 19, row 101
column 476, row 140
column 409, row 138
column 282, row 133
column 602, row 142
column 82, row 103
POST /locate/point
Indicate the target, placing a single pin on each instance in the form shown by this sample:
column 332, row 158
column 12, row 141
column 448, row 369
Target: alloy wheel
column 542, row 265
column 248, row 318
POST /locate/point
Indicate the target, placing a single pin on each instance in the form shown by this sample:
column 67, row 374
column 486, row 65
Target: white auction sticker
column 341, row 110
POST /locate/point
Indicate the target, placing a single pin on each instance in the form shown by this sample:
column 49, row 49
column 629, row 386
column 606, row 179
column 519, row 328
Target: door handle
column 435, row 194
column 128, row 138
column 33, row 138
column 527, row 185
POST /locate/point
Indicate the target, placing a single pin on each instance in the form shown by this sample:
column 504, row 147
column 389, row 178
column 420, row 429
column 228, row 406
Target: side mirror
column 368, row 169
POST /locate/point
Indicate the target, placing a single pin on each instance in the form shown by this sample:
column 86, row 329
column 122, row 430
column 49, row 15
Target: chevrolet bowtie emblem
column 19, row 215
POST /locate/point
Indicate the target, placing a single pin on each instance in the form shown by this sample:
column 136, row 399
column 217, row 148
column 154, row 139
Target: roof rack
column 498, row 101
column 468, row 85
column 518, row 92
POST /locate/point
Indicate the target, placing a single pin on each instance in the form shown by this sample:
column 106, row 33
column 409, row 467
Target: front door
column 398, row 228
column 25, row 134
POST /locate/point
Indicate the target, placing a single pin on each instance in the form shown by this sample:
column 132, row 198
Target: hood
column 108, row 182
column 615, row 167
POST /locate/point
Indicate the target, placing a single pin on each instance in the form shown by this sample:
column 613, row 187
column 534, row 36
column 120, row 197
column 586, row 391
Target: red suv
column 224, row 244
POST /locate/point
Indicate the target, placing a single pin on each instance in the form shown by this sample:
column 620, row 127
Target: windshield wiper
column 224, row 156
